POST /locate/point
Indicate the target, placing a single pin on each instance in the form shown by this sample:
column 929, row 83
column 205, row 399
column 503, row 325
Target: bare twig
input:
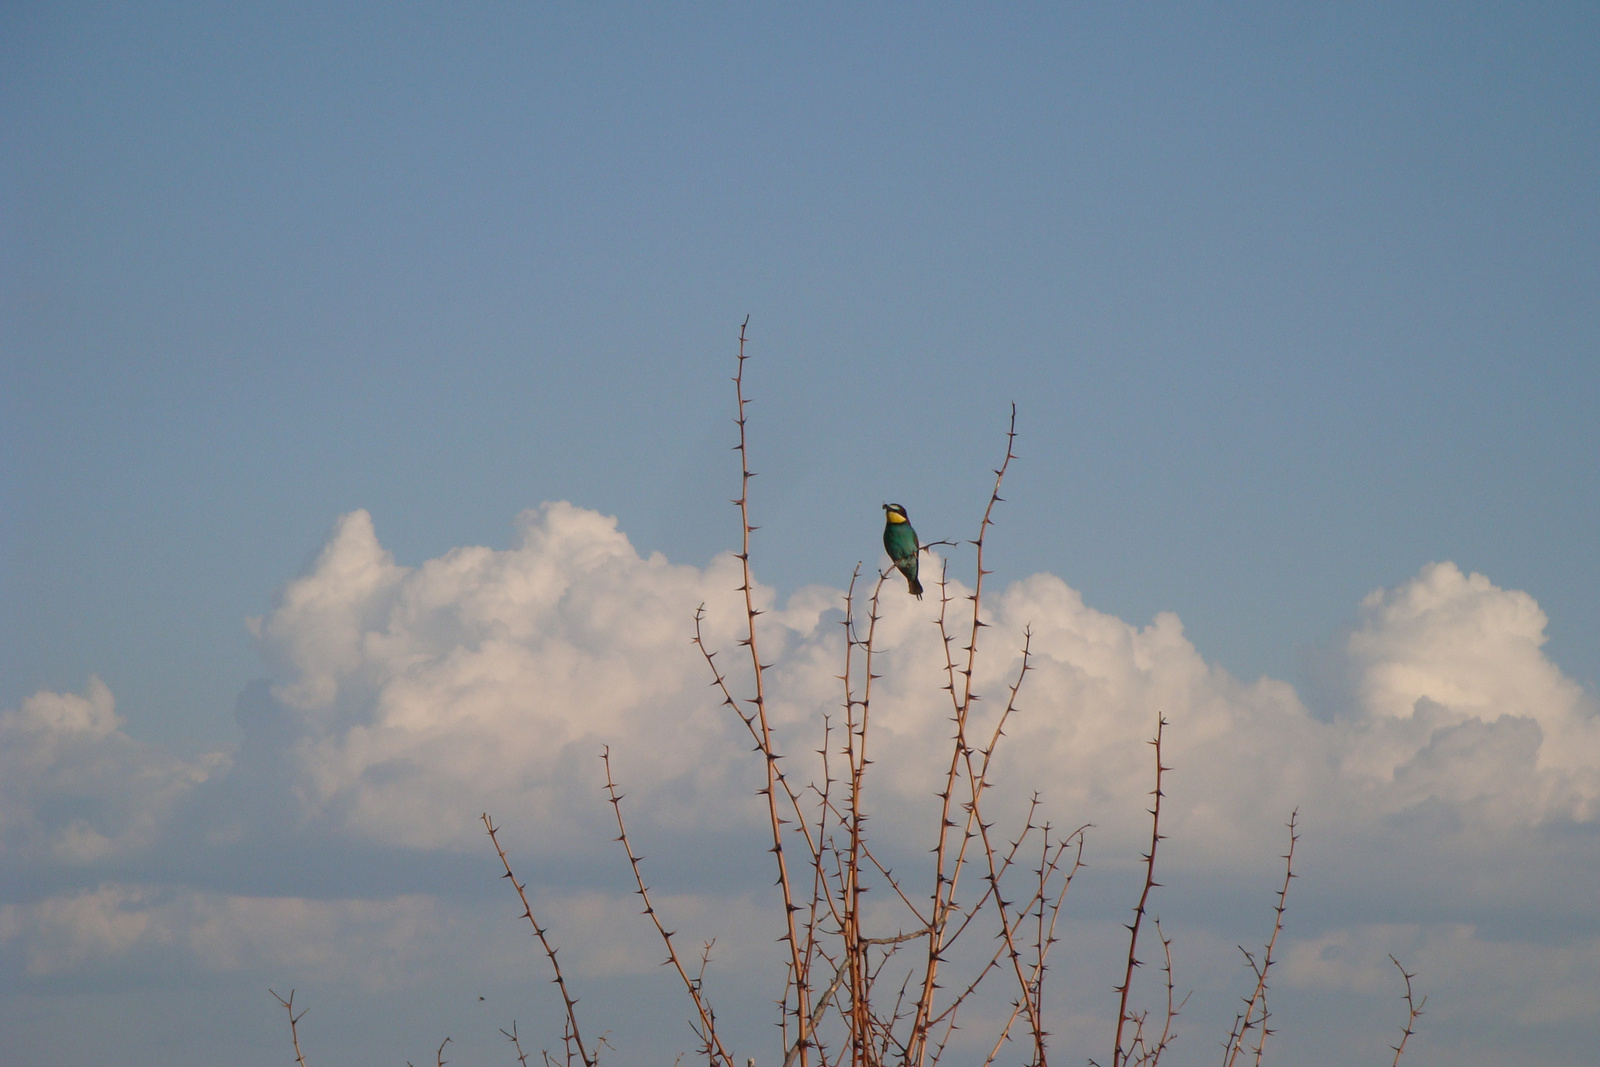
column 839, row 974
column 977, row 780
column 1413, row 1012
column 1255, row 1010
column 753, row 725
column 1153, row 1055
column 946, row 878
column 708, row 1029
column 572, row 1035
column 1141, row 1051
column 294, row 1023
column 1119, row 1055
column 516, row 1043
column 855, row 942
column 758, row 678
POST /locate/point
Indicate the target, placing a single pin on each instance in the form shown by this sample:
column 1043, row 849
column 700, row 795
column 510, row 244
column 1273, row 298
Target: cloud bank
column 1449, row 777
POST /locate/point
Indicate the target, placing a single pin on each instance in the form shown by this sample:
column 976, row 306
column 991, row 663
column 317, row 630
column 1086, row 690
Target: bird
column 900, row 541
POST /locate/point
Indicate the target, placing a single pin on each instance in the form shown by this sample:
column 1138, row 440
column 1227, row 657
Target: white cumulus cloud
column 1459, row 765
column 491, row 679
column 1455, row 701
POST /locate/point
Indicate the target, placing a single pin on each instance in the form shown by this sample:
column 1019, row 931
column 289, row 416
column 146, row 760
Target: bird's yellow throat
column 895, row 516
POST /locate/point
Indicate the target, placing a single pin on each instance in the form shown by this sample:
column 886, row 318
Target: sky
column 364, row 453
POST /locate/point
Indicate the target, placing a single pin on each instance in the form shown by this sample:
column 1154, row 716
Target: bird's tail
column 914, row 585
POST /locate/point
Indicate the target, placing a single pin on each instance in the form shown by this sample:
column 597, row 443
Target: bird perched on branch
column 900, row 541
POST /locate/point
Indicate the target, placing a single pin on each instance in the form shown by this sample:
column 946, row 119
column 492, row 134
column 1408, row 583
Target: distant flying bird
column 900, row 541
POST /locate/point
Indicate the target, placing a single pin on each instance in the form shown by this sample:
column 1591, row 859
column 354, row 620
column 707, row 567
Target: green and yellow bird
column 900, row 541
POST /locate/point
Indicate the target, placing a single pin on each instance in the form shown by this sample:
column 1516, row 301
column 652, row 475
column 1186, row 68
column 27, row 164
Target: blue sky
column 1293, row 303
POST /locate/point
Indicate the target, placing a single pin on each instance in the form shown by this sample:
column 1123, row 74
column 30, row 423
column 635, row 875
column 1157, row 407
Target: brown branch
column 822, row 892
column 977, row 780
column 969, row 915
column 1038, row 903
column 571, row 1034
column 1149, row 1055
column 945, row 886
column 839, row 975
column 1413, row 1012
column 834, row 831
column 752, row 725
column 516, row 1043
column 815, row 844
column 1255, row 1011
column 1119, row 1054
column 1030, row 1002
column 1045, row 936
column 855, row 943
column 1173, row 1009
column 708, row 1031
column 758, row 672
column 294, row 1024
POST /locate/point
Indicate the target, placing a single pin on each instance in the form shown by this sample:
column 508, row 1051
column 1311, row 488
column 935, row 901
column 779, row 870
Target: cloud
column 1458, row 765
column 1454, row 701
column 373, row 943
column 490, row 679
column 405, row 701
column 76, row 789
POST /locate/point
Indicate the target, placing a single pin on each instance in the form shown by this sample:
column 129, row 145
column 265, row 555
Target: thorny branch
column 842, row 1019
column 947, row 877
column 571, row 1035
column 1255, row 1012
column 294, row 1023
column 758, row 680
column 1119, row 1055
column 1413, row 1012
column 707, row 1028
column 516, row 1043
